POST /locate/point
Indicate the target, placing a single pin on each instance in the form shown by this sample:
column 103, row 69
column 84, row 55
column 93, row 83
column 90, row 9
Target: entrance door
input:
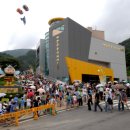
column 90, row 78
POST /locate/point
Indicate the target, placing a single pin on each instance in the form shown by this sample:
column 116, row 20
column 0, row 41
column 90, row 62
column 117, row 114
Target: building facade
column 40, row 56
column 78, row 53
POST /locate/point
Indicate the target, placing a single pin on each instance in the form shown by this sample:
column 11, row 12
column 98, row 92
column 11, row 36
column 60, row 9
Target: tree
column 28, row 60
column 126, row 44
column 6, row 60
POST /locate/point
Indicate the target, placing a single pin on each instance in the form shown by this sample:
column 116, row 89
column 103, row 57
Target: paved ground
column 78, row 119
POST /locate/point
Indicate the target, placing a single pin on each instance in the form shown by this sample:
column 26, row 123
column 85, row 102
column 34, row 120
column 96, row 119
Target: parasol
column 41, row 90
column 2, row 94
column 99, row 85
column 33, row 87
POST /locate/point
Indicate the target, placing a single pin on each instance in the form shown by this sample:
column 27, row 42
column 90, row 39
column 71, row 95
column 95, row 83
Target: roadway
column 78, row 119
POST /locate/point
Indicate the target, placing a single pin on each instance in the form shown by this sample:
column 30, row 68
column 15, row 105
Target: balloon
column 25, row 7
column 19, row 11
column 24, row 20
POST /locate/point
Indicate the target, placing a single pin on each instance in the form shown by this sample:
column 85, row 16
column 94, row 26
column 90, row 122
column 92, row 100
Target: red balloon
column 19, row 11
column 25, row 7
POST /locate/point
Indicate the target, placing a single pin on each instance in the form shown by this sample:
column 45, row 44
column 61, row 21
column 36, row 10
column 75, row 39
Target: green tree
column 126, row 44
column 6, row 60
column 28, row 60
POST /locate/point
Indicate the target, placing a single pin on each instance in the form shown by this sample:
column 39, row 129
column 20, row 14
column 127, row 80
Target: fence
column 16, row 115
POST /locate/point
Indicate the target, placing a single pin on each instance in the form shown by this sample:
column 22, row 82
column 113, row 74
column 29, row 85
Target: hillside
column 126, row 43
column 6, row 59
column 23, row 62
column 28, row 60
column 17, row 52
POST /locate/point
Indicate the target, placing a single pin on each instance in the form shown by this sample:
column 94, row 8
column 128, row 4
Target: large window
column 58, row 30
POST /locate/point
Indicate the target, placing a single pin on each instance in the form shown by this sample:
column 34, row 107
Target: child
column 74, row 100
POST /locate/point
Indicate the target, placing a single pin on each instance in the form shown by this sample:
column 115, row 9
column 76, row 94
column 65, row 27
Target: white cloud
column 15, row 35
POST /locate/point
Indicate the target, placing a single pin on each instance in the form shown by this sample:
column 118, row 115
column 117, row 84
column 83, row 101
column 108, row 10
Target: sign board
column 8, row 90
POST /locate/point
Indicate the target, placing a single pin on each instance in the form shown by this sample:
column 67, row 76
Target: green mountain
column 17, row 52
column 28, row 60
column 6, row 59
column 23, row 62
column 126, row 44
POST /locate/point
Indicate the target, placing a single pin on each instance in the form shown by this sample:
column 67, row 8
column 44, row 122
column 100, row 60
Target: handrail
column 20, row 113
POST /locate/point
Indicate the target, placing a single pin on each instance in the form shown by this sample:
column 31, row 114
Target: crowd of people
column 40, row 91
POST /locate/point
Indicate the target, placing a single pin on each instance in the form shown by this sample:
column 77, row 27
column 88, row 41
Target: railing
column 16, row 115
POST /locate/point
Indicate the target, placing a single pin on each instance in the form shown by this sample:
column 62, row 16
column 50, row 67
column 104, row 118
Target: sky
column 111, row 16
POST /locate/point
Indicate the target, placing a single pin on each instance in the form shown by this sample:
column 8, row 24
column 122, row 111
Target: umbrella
column 33, row 87
column 2, row 94
column 60, row 82
column 41, row 90
column 76, row 84
column 99, row 85
column 120, row 86
column 128, row 84
column 116, row 81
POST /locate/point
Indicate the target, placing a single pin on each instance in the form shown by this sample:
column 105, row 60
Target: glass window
column 58, row 30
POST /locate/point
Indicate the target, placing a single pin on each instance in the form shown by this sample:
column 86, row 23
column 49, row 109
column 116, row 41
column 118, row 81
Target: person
column 101, row 92
column 1, row 111
column 13, row 106
column 124, row 98
column 120, row 101
column 61, row 97
column 25, row 99
column 80, row 99
column 84, row 91
column 36, row 104
column 30, row 95
column 28, row 103
column 106, row 95
column 93, row 95
column 5, row 106
column 9, row 103
column 97, row 101
column 22, row 103
column 74, row 100
column 57, row 93
column 108, row 100
column 16, row 102
column 52, row 100
column 89, row 97
column 68, row 100
column 43, row 98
